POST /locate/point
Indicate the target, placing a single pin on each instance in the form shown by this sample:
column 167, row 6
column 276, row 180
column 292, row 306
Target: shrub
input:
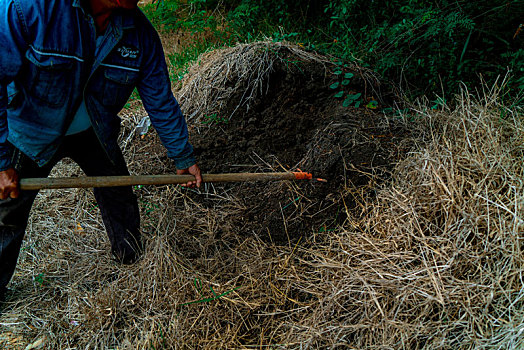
column 429, row 46
column 423, row 47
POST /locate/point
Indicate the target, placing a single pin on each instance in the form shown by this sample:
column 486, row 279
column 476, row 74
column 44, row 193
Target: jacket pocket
column 119, row 84
column 49, row 77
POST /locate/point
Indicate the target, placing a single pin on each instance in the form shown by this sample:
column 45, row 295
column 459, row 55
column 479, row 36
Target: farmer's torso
column 62, row 66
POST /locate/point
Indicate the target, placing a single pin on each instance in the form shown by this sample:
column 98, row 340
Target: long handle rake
column 111, row 181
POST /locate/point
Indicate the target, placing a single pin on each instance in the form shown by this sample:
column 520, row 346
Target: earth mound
column 267, row 106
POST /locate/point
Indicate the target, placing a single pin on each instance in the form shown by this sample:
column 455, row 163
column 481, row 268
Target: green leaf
column 345, row 82
column 348, row 75
column 339, row 94
column 338, row 72
column 372, row 104
column 347, row 102
column 335, row 85
column 357, row 104
column 355, row 96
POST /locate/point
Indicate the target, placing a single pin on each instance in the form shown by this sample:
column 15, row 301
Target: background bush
column 423, row 47
column 429, row 46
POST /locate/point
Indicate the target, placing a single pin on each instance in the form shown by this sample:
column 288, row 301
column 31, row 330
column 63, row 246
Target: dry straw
column 231, row 79
column 437, row 261
column 433, row 262
column 238, row 74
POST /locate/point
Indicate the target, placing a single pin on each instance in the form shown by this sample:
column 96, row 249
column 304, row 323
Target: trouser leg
column 14, row 214
column 118, row 205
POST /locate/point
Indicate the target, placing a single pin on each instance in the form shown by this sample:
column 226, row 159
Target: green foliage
column 41, row 279
column 245, row 18
column 181, row 61
column 284, row 36
column 215, row 119
column 192, row 16
column 134, row 97
column 342, row 86
column 516, row 62
column 427, row 46
column 424, row 47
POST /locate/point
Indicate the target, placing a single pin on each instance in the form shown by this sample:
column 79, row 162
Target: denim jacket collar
column 124, row 22
column 78, row 3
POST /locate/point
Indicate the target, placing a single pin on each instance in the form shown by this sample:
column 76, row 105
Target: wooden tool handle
column 111, row 181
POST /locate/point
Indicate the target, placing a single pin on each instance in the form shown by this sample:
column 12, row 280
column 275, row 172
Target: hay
column 434, row 261
column 437, row 261
column 220, row 75
column 241, row 74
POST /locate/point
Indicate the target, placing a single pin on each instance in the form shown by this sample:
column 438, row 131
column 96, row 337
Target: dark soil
column 298, row 124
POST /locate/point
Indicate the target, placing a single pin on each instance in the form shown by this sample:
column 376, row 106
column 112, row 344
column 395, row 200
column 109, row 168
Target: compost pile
column 268, row 106
column 415, row 241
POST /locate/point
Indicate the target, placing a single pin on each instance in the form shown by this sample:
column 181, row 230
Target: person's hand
column 193, row 170
column 9, row 184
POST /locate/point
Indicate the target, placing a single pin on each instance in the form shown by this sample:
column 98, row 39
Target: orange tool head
column 303, row 176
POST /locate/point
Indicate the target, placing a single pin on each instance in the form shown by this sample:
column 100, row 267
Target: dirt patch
column 289, row 120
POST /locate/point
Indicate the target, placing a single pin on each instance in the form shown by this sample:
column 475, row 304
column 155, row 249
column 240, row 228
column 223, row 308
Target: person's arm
column 8, row 175
column 164, row 111
column 13, row 46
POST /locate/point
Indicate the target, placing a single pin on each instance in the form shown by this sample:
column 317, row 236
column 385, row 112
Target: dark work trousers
column 118, row 205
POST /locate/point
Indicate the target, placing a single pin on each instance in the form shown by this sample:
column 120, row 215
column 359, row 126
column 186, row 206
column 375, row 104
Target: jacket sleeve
column 12, row 44
column 164, row 111
column 5, row 149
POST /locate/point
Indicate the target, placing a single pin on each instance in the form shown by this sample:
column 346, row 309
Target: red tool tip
column 303, row 176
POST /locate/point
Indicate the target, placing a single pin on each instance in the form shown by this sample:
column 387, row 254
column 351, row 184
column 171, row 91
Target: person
column 67, row 67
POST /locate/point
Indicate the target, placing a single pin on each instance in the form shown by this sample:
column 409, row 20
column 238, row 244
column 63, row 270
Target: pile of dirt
column 269, row 107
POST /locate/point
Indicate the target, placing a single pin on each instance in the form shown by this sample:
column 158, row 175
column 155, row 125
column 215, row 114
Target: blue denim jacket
column 48, row 64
